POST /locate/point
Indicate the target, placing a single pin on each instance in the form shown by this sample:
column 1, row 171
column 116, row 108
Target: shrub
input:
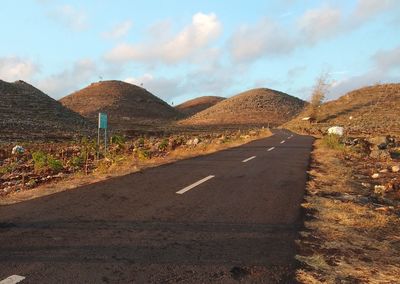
column 39, row 160
column 164, row 145
column 54, row 164
column 333, row 141
column 144, row 154
column 118, row 139
column 77, row 161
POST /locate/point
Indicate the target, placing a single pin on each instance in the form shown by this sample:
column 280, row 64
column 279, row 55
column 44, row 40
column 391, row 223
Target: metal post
column 98, row 143
column 105, row 140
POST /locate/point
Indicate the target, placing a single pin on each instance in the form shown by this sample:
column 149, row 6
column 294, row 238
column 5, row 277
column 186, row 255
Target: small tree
column 318, row 95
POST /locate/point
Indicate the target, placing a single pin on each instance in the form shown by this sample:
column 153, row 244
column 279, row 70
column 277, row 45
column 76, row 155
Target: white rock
column 379, row 189
column 395, row 169
column 17, row 150
column 196, row 141
column 376, row 175
column 337, row 130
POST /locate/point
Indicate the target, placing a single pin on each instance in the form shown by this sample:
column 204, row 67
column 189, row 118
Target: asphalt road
column 226, row 217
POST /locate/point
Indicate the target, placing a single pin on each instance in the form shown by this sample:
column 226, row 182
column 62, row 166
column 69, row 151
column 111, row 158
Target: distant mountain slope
column 254, row 107
column 125, row 103
column 26, row 112
column 372, row 109
column 196, row 105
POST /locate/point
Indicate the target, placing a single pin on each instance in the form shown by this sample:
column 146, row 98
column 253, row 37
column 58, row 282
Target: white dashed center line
column 283, row 141
column 182, row 191
column 248, row 159
column 12, row 279
column 270, row 149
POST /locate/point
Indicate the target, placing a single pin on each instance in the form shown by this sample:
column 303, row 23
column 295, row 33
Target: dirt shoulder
column 24, row 182
column 352, row 228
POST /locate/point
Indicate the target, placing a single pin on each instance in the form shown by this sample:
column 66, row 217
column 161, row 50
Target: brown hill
column 368, row 110
column 26, row 113
column 253, row 107
column 125, row 104
column 196, row 105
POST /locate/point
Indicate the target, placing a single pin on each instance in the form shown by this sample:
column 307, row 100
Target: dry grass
column 125, row 165
column 344, row 241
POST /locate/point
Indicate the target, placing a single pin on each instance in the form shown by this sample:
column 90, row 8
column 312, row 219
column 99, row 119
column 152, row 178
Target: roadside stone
column 379, row 189
column 366, row 184
column 375, row 176
column 196, row 141
column 17, row 150
column 395, row 169
column 380, row 154
column 379, row 141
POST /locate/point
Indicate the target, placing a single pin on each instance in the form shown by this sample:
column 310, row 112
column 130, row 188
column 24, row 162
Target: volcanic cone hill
column 126, row 104
column 28, row 113
column 254, row 107
column 368, row 110
column 196, row 105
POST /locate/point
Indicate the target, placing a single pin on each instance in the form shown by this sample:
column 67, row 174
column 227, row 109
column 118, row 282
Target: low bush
column 54, row 164
column 333, row 141
column 39, row 160
column 43, row 161
column 164, row 145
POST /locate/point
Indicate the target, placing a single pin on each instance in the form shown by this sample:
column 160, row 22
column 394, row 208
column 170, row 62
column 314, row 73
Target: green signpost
column 103, row 121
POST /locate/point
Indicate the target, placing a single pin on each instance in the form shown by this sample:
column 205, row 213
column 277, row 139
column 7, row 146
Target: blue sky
column 184, row 49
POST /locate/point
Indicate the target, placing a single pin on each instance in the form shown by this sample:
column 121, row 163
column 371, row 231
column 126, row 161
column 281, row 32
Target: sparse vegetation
column 318, row 96
column 333, row 141
column 39, row 160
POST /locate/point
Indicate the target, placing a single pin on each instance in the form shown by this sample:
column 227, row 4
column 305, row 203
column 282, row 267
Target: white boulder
column 337, row 130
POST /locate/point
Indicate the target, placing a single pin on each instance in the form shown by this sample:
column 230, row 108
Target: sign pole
column 105, row 140
column 102, row 125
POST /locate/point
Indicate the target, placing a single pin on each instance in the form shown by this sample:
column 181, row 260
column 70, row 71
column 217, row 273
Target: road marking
column 270, row 149
column 283, row 141
column 12, row 279
column 182, row 191
column 248, row 159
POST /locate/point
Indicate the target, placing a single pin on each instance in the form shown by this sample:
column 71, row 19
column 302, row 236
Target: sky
column 180, row 50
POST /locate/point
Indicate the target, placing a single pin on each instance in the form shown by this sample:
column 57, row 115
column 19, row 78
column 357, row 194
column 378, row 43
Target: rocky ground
column 352, row 207
column 36, row 164
column 368, row 111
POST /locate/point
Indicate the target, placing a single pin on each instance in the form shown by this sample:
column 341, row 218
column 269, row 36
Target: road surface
column 226, row 217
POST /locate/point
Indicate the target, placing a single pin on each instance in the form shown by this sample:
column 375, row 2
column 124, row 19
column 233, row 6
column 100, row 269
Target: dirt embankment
column 352, row 207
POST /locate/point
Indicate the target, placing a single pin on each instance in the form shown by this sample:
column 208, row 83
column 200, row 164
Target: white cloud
column 16, row 68
column 119, row 30
column 203, row 29
column 367, row 9
column 69, row 80
column 70, row 16
column 387, row 60
column 263, row 38
column 320, row 23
